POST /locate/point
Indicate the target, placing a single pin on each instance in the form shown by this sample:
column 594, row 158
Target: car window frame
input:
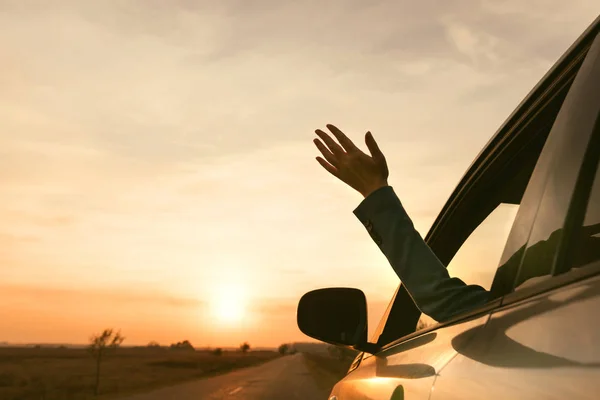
column 401, row 305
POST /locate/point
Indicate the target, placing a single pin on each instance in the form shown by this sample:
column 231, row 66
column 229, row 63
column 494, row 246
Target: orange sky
column 156, row 167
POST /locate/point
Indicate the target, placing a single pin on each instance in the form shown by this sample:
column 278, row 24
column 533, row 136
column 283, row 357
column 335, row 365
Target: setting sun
column 229, row 304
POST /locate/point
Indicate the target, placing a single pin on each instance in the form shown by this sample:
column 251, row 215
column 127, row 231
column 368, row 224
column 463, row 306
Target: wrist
column 367, row 191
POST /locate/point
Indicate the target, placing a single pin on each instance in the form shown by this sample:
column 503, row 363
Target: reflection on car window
column 587, row 249
column 540, row 256
column 539, row 260
column 477, row 259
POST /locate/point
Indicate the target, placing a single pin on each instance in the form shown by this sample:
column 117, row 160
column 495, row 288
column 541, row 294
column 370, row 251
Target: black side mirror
column 335, row 315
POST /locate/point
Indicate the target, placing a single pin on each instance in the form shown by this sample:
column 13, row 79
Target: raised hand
column 348, row 163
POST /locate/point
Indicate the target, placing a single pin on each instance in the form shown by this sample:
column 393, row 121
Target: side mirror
column 337, row 316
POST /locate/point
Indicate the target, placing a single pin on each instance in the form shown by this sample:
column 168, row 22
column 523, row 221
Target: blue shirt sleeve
column 426, row 279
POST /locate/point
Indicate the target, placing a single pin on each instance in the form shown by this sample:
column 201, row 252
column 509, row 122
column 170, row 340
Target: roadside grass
column 68, row 374
column 327, row 370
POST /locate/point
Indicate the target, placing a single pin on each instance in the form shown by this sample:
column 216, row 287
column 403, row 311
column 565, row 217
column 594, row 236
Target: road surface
column 283, row 378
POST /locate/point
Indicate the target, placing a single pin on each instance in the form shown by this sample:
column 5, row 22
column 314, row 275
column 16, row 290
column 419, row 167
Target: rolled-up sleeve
column 426, row 279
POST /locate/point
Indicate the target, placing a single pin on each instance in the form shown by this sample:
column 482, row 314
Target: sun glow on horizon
column 229, row 304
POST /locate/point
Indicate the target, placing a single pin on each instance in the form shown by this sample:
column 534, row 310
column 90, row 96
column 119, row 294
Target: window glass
column 588, row 242
column 477, row 259
column 540, row 254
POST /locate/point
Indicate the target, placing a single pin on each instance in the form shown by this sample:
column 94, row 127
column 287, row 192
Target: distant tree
column 99, row 345
column 283, row 349
column 218, row 351
column 245, row 347
column 153, row 345
column 185, row 345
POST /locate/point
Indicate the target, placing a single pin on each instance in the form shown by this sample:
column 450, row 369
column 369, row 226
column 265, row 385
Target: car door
column 544, row 340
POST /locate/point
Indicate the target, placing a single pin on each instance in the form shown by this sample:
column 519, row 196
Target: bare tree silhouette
column 98, row 346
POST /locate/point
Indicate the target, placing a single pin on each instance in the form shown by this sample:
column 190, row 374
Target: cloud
column 276, row 307
column 50, row 221
column 9, row 240
column 33, row 312
column 107, row 88
column 109, row 297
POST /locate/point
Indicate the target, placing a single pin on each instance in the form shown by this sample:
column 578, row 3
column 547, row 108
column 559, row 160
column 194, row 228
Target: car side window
column 484, row 247
column 587, row 240
column 582, row 243
column 476, row 260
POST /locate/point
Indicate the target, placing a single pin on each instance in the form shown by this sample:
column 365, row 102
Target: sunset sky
column 157, row 173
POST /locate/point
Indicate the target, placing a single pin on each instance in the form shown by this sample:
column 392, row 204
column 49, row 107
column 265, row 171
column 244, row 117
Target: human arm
column 426, row 279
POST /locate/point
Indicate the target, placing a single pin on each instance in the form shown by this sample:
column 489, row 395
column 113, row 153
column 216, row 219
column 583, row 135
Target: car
column 533, row 194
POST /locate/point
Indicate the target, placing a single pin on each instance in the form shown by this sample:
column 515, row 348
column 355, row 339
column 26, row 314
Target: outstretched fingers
column 376, row 153
column 332, row 170
column 373, row 147
column 335, row 148
column 346, row 143
column 329, row 156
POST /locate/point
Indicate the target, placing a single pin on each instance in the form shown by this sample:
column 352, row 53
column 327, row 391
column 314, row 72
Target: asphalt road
column 283, row 378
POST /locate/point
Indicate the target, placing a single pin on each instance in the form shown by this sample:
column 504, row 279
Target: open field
column 68, row 374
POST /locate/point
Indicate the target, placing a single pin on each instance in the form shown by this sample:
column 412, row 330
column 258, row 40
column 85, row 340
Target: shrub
column 185, row 345
column 283, row 349
column 245, row 347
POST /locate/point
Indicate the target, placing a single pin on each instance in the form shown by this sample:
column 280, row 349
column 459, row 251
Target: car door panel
column 408, row 369
column 545, row 347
